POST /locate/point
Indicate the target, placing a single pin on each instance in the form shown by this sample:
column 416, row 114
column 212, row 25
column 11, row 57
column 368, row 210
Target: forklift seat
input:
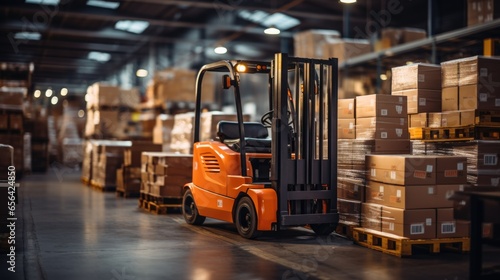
column 256, row 134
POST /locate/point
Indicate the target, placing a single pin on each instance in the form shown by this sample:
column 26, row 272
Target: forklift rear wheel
column 190, row 211
column 246, row 218
column 323, row 229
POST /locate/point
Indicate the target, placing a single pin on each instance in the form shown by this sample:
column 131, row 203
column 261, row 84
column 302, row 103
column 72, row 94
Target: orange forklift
column 263, row 182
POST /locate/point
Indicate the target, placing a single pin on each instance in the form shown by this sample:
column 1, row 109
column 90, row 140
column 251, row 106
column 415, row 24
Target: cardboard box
column 381, row 105
column 371, row 216
column 16, row 121
column 409, row 197
column 401, row 169
column 344, row 49
column 310, row 43
column 434, row 120
column 419, row 120
column 104, row 95
column 346, row 129
column 11, row 100
column 413, row 224
column 479, row 70
column 448, row 227
column 449, row 73
column 171, row 191
column 450, row 119
column 346, row 108
column 481, row 11
column 4, row 121
column 413, row 34
column 467, row 117
column 451, row 170
column 421, row 100
column 351, row 189
column 381, row 146
column 449, row 99
column 479, row 96
column 349, row 212
column 416, row 76
column 130, row 97
column 382, row 128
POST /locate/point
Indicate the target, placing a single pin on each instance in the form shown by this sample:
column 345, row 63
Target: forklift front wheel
column 189, row 210
column 246, row 218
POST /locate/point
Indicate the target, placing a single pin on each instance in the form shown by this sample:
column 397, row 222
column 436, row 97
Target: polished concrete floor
column 69, row 231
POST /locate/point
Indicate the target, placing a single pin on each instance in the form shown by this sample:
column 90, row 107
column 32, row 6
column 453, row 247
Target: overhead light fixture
column 103, row 4
column 43, row 2
column 141, row 73
column 134, row 26
column 81, row 113
column 37, row 93
column 64, row 91
column 99, row 56
column 220, row 50
column 272, row 31
column 383, row 77
column 48, row 93
column 241, row 68
column 28, row 36
column 409, row 62
column 54, row 100
column 347, row 1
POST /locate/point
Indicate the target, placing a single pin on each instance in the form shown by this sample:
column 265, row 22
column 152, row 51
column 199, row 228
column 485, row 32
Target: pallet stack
column 107, row 157
column 12, row 125
column 163, row 177
column 128, row 176
column 39, row 143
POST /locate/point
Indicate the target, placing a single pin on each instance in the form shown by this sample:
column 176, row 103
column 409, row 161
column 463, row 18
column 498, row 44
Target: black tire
column 190, row 211
column 246, row 218
column 323, row 229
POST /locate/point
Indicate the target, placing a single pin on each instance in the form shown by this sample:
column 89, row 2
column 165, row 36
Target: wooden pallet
column 402, row 246
column 85, row 181
column 345, row 230
column 488, row 132
column 157, row 208
column 127, row 194
column 102, row 188
column 442, row 133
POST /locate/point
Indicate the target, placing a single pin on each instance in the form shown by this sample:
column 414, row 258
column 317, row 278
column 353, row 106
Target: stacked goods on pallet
column 70, row 135
column 163, row 177
column 390, row 37
column 107, row 157
column 128, row 176
column 162, row 131
column 481, row 11
column 87, row 161
column 39, row 143
column 406, row 195
column 346, row 119
column 12, row 125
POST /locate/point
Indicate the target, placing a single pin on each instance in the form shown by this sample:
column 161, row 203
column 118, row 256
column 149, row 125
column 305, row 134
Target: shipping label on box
column 401, row 169
column 413, row 224
column 381, row 105
column 448, row 227
column 416, row 76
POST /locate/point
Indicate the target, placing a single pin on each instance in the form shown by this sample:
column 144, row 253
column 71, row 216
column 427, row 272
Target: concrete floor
column 69, row 231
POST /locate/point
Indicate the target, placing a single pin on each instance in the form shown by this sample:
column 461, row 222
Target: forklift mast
column 304, row 170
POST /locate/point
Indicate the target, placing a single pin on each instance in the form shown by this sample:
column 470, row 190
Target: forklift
column 263, row 181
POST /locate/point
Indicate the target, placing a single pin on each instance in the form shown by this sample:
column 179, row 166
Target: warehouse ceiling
column 73, row 43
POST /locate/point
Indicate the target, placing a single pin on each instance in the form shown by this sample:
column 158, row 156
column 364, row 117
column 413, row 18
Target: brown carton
column 413, row 224
column 416, row 76
column 349, row 212
column 448, row 227
column 4, row 121
column 381, row 105
column 478, row 96
column 401, row 169
column 346, row 108
column 371, row 216
column 344, row 49
column 16, row 121
column 352, row 189
column 386, row 146
column 346, row 129
column 419, row 120
column 449, row 99
column 479, row 70
column 449, row 73
column 451, row 170
column 435, row 120
column 450, row 119
column 422, row 100
column 467, row 117
column 382, row 128
column 409, row 197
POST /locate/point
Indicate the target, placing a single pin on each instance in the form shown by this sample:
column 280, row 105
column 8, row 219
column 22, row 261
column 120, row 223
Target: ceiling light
column 64, row 91
column 48, row 93
column 81, row 113
column 99, row 56
column 54, row 100
column 103, row 4
column 409, row 62
column 272, row 31
column 134, row 26
column 44, row 2
column 220, row 50
column 241, row 68
column 27, row 36
column 383, row 77
column 141, row 73
column 347, row 1
column 87, row 97
column 37, row 93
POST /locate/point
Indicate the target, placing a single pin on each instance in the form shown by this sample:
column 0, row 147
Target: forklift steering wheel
column 267, row 118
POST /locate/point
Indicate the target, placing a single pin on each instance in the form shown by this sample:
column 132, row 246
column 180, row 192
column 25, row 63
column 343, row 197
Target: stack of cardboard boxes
column 390, row 37
column 481, row 11
column 12, row 127
column 107, row 157
column 164, row 174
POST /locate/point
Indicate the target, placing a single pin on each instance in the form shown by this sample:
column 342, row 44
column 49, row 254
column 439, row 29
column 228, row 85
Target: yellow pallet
column 402, row 246
column 156, row 208
column 85, row 181
column 345, row 230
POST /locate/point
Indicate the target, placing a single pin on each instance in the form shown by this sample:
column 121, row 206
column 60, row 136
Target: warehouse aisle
column 74, row 232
